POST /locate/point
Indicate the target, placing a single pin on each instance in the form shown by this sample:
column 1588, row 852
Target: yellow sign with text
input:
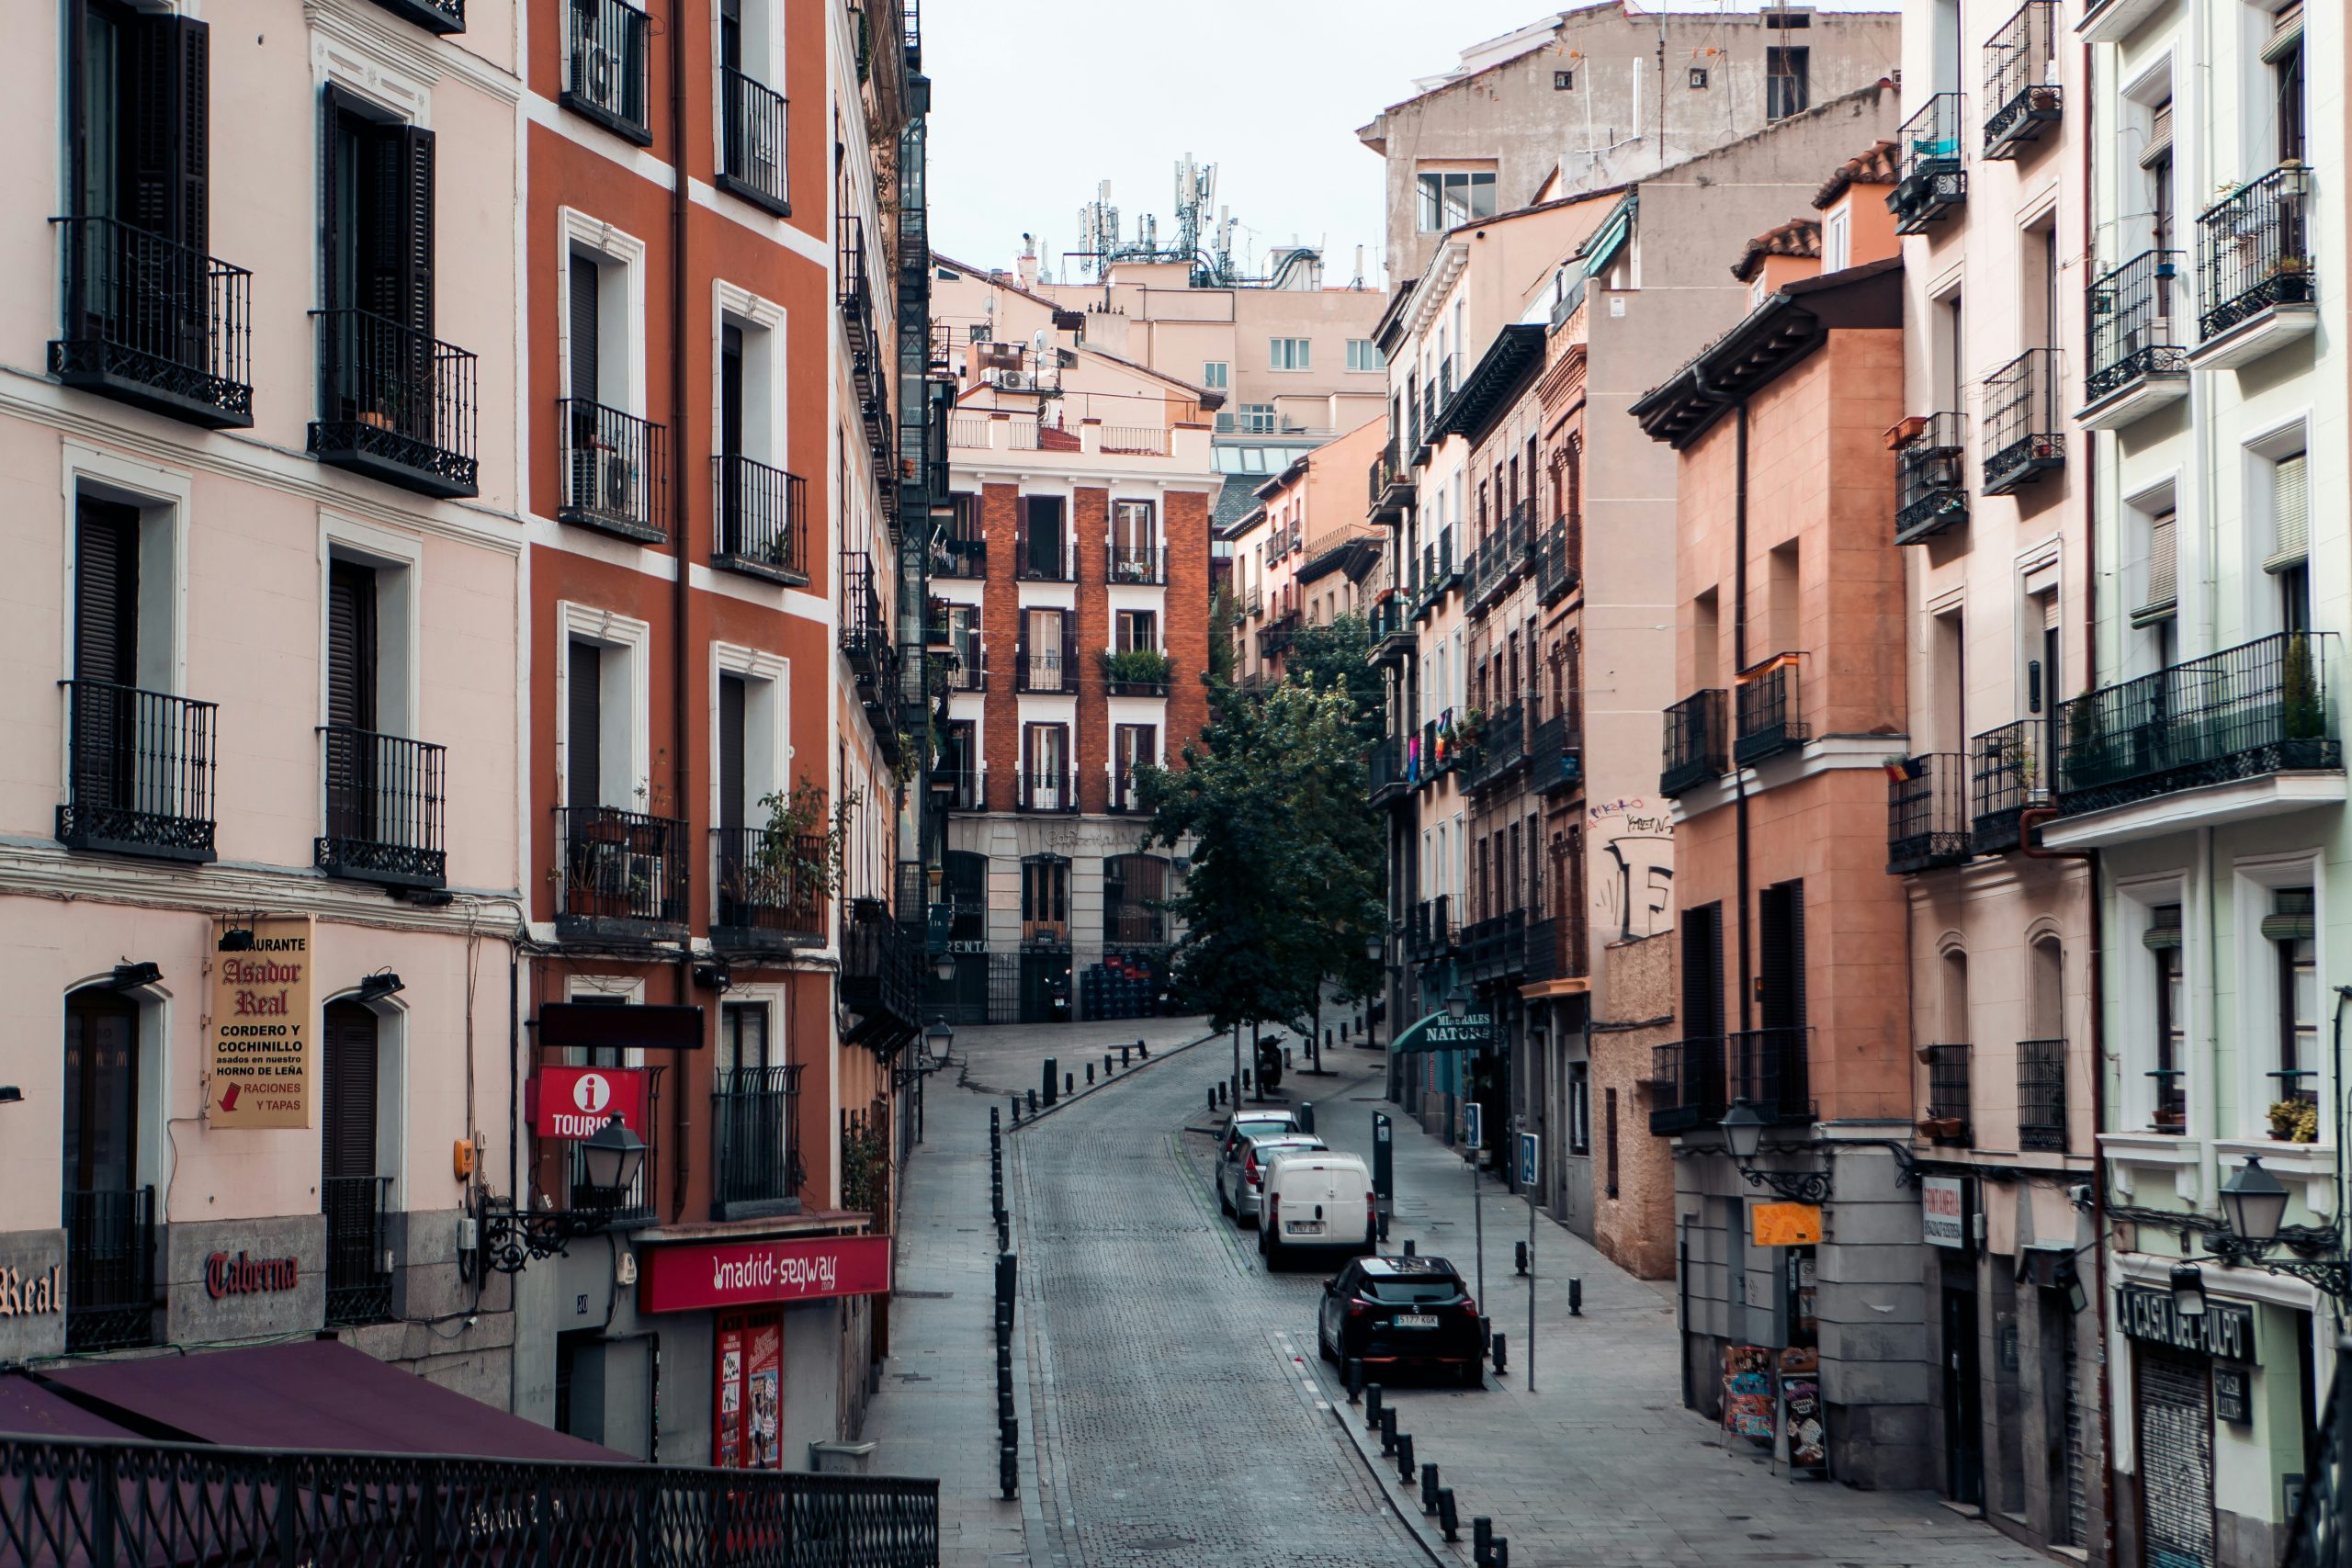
column 260, row 1042
column 1785, row 1225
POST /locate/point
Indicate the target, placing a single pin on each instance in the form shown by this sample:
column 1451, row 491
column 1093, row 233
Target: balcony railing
column 359, row 1275
column 1556, row 753
column 384, row 809
column 636, row 1204
column 1769, row 709
column 2042, row 1095
column 2132, row 337
column 755, row 1143
column 2025, row 434
column 109, row 1269
column 1948, row 1097
column 1926, row 813
column 1134, row 563
column 952, row 556
column 139, row 772
column 753, row 156
column 880, row 975
column 1048, row 791
column 2255, row 252
column 605, row 66
column 864, row 635
column 1773, row 1071
column 853, row 290
column 2247, row 712
column 1932, row 182
column 615, row 473
column 762, row 518
column 1046, row 669
column 1686, row 1086
column 770, row 891
column 1556, row 947
column 1386, row 770
column 1930, row 477
column 395, row 404
column 1500, row 747
column 1694, row 750
column 1126, row 789
column 2007, row 771
column 2021, row 80
column 1432, row 934
column 433, row 16
column 624, row 875
column 155, row 324
column 1136, row 440
column 1557, row 553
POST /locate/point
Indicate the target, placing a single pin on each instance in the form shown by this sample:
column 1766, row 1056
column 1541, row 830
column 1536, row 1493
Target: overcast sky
column 1035, row 101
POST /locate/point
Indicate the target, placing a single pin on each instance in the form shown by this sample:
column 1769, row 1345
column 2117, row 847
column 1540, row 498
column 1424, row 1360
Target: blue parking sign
column 1473, row 1125
column 1527, row 1159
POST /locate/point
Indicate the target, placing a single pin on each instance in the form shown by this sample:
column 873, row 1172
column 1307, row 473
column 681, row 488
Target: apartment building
column 723, row 267
column 1069, row 585
column 1986, row 183
column 263, row 503
column 2203, row 769
column 1602, row 93
column 1303, row 556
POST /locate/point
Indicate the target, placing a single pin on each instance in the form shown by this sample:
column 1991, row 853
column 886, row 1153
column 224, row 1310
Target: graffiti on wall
column 1635, row 885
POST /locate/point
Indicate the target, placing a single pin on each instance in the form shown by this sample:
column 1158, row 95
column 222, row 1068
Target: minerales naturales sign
column 259, row 1038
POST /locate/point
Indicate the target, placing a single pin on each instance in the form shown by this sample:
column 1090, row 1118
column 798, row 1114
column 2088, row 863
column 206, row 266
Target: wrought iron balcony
column 1772, row 1070
column 756, row 1170
column 966, row 788
column 1694, row 750
column 1931, row 477
column 395, row 405
column 952, row 557
column 2137, row 360
column 864, row 635
column 762, row 520
column 1432, row 934
column 2246, row 712
column 1926, row 814
column 433, row 16
column 1556, row 947
column 140, row 769
column 1134, row 563
column 155, row 324
column 2021, row 80
column 1127, row 790
column 109, row 1269
column 1947, row 1119
column 1770, row 710
column 1500, row 748
column 1556, row 754
column 1932, row 182
column 2008, row 771
column 2042, row 1095
column 1392, row 485
column 605, row 66
column 385, row 801
column 624, row 875
column 770, row 889
column 1391, row 627
column 1045, row 668
column 1686, row 1086
column 1558, row 557
column 614, row 471
column 880, row 978
column 2254, row 255
column 359, row 1245
column 2025, row 434
column 1386, row 767
column 1047, row 791
column 752, row 162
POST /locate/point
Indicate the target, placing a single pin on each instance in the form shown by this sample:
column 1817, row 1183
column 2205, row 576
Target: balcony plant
column 1137, row 667
column 2302, row 711
column 2294, row 1122
column 796, row 816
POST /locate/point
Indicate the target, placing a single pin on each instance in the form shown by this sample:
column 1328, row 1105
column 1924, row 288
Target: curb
column 1033, row 1117
column 1405, row 1505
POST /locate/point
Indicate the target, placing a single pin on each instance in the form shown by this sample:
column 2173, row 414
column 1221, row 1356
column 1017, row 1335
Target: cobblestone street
column 1174, row 1410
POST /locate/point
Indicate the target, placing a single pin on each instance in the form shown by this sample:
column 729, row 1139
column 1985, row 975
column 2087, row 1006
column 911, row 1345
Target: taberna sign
column 2226, row 1332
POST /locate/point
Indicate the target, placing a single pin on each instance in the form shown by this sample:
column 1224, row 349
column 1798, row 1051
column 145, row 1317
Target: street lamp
column 2254, row 1201
column 943, row 965
column 610, row 1157
column 2188, row 1290
column 1457, row 1003
column 1743, row 1129
column 938, row 1040
column 1375, row 946
column 2254, row 1209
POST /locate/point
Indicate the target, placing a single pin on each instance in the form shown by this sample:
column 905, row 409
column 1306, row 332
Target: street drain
column 1163, row 1543
column 913, row 1377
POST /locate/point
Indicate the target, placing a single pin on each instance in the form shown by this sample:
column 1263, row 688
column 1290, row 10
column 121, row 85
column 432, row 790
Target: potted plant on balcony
column 1137, row 667
column 800, row 849
column 2303, row 710
column 2294, row 1122
column 2290, row 279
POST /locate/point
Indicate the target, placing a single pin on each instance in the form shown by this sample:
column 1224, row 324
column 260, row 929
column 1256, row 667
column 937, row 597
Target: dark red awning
column 314, row 1395
column 28, row 1410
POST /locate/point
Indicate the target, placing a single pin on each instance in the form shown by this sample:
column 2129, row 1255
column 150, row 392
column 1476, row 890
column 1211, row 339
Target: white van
column 1315, row 1200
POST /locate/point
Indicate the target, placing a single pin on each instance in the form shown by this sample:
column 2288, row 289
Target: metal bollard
column 1016, row 1109
column 1143, row 1050
column 1307, row 1116
column 1499, row 1357
column 1404, row 1459
column 1354, row 1380
column 992, row 1124
column 1008, row 1470
column 1211, row 1097
column 1032, row 1102
column 1576, row 1298
column 1285, row 1055
column 1383, row 1228
column 1519, row 1251
column 1004, row 1383
column 1409, row 1252
column 1070, row 1082
column 1387, row 1430
column 1429, row 1489
column 1500, row 1556
column 1090, row 1073
column 1245, row 1077
column 1371, row 1407
column 1106, row 1064
column 1051, row 1075
column 1447, row 1520
column 1482, row 1541
column 1123, row 1057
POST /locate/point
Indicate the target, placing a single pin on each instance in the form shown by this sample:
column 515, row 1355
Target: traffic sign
column 1527, row 1151
column 1473, row 1128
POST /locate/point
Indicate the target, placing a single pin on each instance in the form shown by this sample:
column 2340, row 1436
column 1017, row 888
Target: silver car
column 1242, row 1178
column 1250, row 1122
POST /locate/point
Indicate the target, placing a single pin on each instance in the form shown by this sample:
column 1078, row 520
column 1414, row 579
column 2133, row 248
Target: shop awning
column 313, row 1394
column 28, row 1410
column 1442, row 1032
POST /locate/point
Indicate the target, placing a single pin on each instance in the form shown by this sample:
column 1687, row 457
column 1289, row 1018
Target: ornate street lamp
column 610, row 1159
column 2253, row 1210
column 1457, row 1003
column 1743, row 1131
column 2254, row 1201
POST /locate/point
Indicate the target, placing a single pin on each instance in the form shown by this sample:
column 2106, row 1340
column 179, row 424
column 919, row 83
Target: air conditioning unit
column 600, row 78
column 1014, row 382
column 763, row 156
column 604, row 480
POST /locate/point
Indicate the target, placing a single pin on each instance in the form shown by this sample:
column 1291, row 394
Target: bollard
column 1032, row 1102
column 992, row 1124
column 1143, row 1050
column 1090, row 1073
column 1354, row 1380
column 1387, row 1430
column 1500, row 1556
column 1482, row 1541
column 1405, row 1459
column 1371, row 1407
column 1106, row 1064
column 1576, row 1298
column 1409, row 1252
column 1519, row 1251
column 1007, row 1471
column 1211, row 1097
column 1004, row 1383
column 1052, row 1075
column 1285, row 1056
column 1307, row 1116
column 1429, row 1489
column 1499, row 1357
column 1016, row 1109
column 1245, row 1077
column 1070, row 1082
column 1123, row 1057
column 1007, row 1273
column 1383, row 1228
column 1447, row 1520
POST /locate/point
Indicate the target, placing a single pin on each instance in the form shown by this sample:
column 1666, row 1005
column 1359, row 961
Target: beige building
column 1305, row 554
column 1601, row 94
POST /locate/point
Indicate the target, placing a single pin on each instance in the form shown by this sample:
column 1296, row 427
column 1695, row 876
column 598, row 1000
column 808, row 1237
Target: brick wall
column 1187, row 616
column 1090, row 525
column 1635, row 1229
column 1001, row 624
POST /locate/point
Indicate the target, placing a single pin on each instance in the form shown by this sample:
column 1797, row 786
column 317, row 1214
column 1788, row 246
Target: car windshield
column 1410, row 1291
column 1261, row 1129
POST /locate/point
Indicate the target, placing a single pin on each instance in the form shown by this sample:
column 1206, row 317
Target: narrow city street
column 1175, row 1409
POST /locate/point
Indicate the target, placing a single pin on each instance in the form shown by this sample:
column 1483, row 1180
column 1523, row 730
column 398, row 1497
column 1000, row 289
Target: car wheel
column 1272, row 1249
column 1323, row 1345
column 1474, row 1375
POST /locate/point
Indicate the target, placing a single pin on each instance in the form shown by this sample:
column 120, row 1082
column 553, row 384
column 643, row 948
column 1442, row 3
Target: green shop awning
column 1442, row 1032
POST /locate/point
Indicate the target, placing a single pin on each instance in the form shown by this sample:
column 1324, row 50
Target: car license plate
column 1303, row 1227
column 1415, row 1320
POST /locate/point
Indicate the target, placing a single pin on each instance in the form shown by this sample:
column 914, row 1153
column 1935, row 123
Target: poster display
column 747, row 1411
column 1747, row 1393
column 260, row 1037
column 1800, row 1415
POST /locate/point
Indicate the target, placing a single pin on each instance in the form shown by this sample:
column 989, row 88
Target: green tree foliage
column 1221, row 614
column 1338, row 655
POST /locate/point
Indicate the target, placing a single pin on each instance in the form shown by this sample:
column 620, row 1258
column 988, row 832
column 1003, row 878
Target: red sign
column 745, row 1416
column 572, row 1102
column 241, row 1275
column 746, row 1273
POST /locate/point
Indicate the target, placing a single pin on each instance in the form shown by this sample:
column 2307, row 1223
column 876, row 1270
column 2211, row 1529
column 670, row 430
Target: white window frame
column 2136, row 1009
column 1364, row 356
column 155, row 1156
column 767, row 722
column 2256, row 880
column 391, row 1089
column 2259, row 458
column 398, row 561
column 1838, row 239
column 1217, row 374
column 763, row 62
column 620, row 265
column 1290, row 354
column 632, row 778
column 769, row 411
column 166, row 499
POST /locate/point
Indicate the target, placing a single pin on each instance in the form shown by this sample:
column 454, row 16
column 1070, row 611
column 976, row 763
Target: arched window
column 108, row 1212
column 2041, row 1056
column 1133, row 890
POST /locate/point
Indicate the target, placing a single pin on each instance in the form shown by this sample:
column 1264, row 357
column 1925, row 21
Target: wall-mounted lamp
column 610, row 1158
column 376, row 987
column 131, row 976
column 713, row 976
column 10, row 1094
column 237, row 939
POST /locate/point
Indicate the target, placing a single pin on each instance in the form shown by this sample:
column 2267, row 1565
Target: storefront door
column 747, row 1402
column 2175, row 1447
column 1963, row 1405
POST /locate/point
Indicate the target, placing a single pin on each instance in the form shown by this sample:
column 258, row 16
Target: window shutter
column 165, row 134
column 2159, row 145
column 416, row 228
column 350, row 646
column 1702, row 992
column 332, row 218
column 585, row 711
column 383, row 227
column 584, row 322
column 2163, row 927
column 2163, row 571
column 347, row 1097
column 2291, row 512
column 1780, row 955
column 2291, row 917
column 733, row 691
column 105, row 593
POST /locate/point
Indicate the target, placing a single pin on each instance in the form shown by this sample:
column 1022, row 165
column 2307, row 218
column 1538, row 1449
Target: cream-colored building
column 1305, row 555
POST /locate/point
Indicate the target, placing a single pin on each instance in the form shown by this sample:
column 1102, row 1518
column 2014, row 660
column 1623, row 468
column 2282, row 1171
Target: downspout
column 679, row 726
column 1739, row 662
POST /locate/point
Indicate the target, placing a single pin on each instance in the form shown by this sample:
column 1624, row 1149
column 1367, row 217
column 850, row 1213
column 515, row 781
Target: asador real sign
column 258, row 1039
column 745, row 1273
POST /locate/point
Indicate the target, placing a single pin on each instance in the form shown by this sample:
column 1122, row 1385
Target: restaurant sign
column 745, row 1273
column 2224, row 1332
column 572, row 1102
column 258, row 1039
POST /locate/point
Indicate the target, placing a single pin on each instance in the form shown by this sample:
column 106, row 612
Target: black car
column 1412, row 1311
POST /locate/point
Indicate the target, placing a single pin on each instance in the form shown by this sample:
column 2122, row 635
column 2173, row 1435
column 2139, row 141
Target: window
column 1580, row 1108
column 2168, row 1078
column 1045, row 647
column 351, row 1192
column 1133, row 746
column 1698, row 78
column 971, row 673
column 109, row 1208
column 2291, row 930
column 2288, row 563
column 1137, row 630
column 1257, row 419
column 1564, row 81
column 1135, row 557
column 2160, row 595
column 1046, row 783
column 1135, row 887
column 752, row 118
column 963, row 764
column 1787, row 88
column 1453, row 196
column 1608, row 1124
column 1040, row 552
column 1287, row 353
column 1045, row 899
column 1364, row 354
column 1837, row 241
column 1225, row 422
column 383, row 797
column 2285, row 56
column 137, row 755
column 1216, row 374
column 603, row 66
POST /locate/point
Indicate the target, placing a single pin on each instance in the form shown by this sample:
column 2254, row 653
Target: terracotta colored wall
column 1091, row 523
column 1635, row 1228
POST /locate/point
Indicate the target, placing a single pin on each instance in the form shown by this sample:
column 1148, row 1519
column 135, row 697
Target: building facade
column 1302, row 556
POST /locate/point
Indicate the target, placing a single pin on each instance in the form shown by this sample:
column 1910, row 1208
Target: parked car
column 1402, row 1311
column 1314, row 1201
column 1255, row 1122
column 1239, row 1175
